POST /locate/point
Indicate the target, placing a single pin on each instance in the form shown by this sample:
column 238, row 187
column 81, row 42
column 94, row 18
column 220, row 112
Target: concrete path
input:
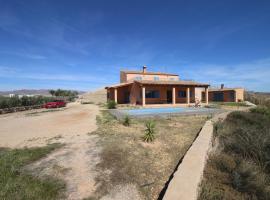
column 186, row 180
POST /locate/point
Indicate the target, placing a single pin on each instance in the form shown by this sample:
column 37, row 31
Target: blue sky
column 83, row 44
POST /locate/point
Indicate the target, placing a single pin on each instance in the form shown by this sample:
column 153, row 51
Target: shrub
column 223, row 162
column 261, row 109
column 149, row 131
column 111, row 104
column 248, row 178
column 209, row 192
column 126, row 121
column 242, row 169
column 10, row 102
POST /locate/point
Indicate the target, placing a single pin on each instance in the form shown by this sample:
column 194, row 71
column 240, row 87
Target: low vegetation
column 87, row 102
column 15, row 183
column 10, row 102
column 111, row 104
column 237, row 104
column 127, row 121
column 258, row 98
column 67, row 94
column 126, row 160
column 16, row 101
column 240, row 168
column 149, row 135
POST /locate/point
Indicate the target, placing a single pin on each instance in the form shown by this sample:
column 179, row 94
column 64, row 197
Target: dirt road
column 75, row 162
column 37, row 127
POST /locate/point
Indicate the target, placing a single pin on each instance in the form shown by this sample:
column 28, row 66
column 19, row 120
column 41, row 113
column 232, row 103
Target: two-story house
column 146, row 88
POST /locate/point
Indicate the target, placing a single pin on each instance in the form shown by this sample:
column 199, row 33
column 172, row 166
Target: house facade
column 149, row 88
column 225, row 94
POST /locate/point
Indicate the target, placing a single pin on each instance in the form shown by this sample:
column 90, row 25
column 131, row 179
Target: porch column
column 115, row 95
column 143, row 96
column 188, row 95
column 206, row 95
column 173, row 96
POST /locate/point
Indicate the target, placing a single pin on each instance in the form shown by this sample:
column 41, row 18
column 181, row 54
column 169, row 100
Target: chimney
column 222, row 86
column 144, row 69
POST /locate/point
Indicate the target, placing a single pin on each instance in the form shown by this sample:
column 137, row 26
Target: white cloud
column 253, row 76
column 25, row 55
column 10, row 72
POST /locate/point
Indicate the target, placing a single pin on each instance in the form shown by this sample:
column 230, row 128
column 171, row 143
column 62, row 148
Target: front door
column 126, row 97
column 169, row 96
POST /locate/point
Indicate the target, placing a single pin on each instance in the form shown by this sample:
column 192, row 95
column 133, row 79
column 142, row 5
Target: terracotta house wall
column 162, row 94
column 124, row 77
column 135, row 94
column 198, row 93
column 121, row 94
column 184, row 99
column 228, row 97
column 110, row 94
column 238, row 95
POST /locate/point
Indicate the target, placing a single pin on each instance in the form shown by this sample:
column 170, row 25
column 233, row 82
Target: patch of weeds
column 126, row 121
column 87, row 102
column 261, row 110
column 44, row 111
column 232, row 104
column 242, row 169
column 54, row 138
column 16, row 184
column 126, row 159
column 213, row 105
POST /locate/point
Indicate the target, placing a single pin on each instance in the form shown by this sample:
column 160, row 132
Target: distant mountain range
column 44, row 92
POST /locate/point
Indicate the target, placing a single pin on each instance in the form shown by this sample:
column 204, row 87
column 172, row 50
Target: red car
column 55, row 104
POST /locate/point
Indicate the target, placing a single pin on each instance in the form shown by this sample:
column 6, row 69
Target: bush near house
column 240, row 168
column 111, row 104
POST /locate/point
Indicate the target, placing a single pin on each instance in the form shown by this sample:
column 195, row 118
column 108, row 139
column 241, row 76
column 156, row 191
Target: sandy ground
column 75, row 162
column 97, row 97
column 36, row 127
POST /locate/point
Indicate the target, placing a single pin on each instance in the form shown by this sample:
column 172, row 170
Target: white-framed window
column 156, row 78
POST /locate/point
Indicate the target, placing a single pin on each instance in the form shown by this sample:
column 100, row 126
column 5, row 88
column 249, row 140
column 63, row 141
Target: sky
column 83, row 44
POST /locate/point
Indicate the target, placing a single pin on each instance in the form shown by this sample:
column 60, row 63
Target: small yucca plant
column 149, row 131
column 126, row 121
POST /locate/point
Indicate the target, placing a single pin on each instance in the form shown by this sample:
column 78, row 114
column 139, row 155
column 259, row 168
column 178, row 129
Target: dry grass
column 240, row 169
column 96, row 97
column 126, row 159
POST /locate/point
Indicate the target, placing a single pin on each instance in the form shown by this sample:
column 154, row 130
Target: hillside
column 99, row 96
column 43, row 92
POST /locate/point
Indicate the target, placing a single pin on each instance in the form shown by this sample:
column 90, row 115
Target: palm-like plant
column 149, row 131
